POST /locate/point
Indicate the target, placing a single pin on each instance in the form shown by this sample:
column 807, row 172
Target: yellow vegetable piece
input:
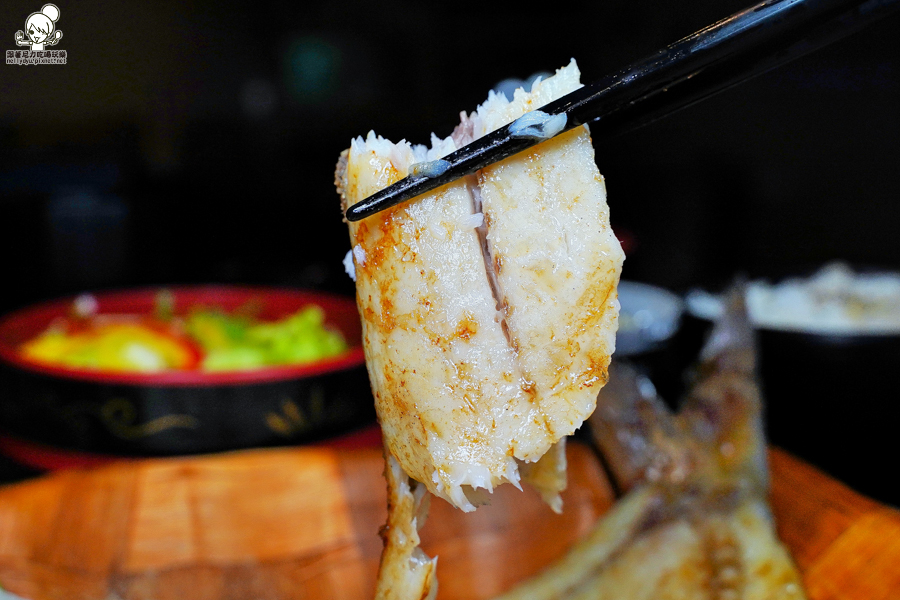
column 111, row 347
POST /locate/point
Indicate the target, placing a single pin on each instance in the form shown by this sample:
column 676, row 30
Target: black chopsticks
column 715, row 58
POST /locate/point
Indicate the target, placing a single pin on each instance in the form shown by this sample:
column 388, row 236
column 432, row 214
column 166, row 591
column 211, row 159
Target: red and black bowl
column 100, row 413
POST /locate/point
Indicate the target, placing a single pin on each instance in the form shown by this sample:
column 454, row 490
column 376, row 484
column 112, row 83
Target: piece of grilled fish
column 696, row 523
column 405, row 572
column 489, row 305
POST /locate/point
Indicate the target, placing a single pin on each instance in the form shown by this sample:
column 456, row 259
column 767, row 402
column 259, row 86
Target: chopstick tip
column 354, row 214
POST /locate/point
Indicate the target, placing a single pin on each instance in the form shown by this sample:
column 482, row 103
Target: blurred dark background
column 195, row 141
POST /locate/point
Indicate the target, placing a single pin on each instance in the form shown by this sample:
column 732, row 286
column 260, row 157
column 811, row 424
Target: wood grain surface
column 302, row 523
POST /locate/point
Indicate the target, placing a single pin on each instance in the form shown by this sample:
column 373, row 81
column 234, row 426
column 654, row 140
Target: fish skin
column 405, row 572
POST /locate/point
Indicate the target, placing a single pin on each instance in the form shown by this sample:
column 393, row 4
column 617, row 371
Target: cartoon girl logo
column 40, row 29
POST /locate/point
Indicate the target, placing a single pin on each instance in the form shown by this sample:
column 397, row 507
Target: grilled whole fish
column 695, row 523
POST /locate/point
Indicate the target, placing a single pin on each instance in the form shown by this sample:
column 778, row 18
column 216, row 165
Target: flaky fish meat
column 489, row 313
column 695, row 523
column 489, row 305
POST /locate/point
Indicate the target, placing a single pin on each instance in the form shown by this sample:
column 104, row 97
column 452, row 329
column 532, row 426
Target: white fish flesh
column 489, row 305
column 489, row 313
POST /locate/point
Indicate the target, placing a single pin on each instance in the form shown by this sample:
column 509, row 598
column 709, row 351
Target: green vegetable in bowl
column 235, row 342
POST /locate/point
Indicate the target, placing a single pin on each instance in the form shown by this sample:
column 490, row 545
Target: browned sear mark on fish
column 467, row 327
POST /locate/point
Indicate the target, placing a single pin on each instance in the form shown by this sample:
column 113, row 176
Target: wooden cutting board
column 302, row 523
